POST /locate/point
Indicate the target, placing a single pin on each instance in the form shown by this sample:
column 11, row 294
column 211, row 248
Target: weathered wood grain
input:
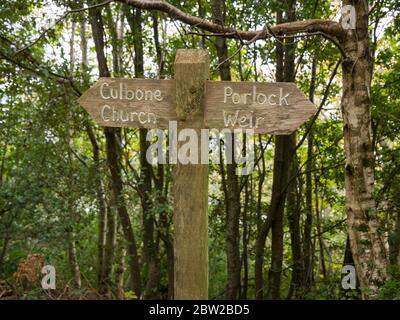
column 276, row 108
column 140, row 112
column 262, row 111
column 190, row 183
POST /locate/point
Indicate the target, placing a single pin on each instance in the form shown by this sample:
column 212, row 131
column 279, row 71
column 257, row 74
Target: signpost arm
column 190, row 188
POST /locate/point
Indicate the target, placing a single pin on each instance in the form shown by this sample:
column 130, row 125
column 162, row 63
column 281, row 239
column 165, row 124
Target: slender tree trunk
column 262, row 232
column 366, row 243
column 6, row 238
column 283, row 158
column 259, row 257
column 307, row 244
column 73, row 259
column 282, row 164
column 109, row 247
column 71, row 49
column 161, row 183
column 232, row 195
column 100, row 194
column 245, row 239
column 120, row 264
column 169, row 249
column 112, row 24
column 322, row 264
column 113, row 155
column 164, row 233
column 102, row 273
column 71, row 237
column 293, row 209
column 261, row 178
column 159, row 51
column 112, row 225
column 394, row 243
column 150, row 253
column 232, row 232
column 83, row 42
column 294, row 197
column 4, row 249
column 277, row 198
column 202, row 15
column 102, row 213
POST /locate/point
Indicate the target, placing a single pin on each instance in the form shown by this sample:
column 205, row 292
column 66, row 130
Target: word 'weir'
column 277, row 108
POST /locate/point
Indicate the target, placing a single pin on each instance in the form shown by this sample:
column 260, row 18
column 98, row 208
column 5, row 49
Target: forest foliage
column 59, row 198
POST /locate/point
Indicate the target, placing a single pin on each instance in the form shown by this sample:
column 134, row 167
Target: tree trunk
column 109, row 246
column 71, row 49
column 113, row 155
column 245, row 238
column 294, row 197
column 322, row 265
column 73, row 259
column 102, row 214
column 162, row 182
column 83, row 43
column 293, row 210
column 159, row 51
column 283, row 158
column 102, row 274
column 71, row 237
column 120, row 264
column 4, row 249
column 232, row 194
column 394, row 243
column 112, row 225
column 366, row 244
column 150, row 254
column 307, row 244
column 262, row 232
column 100, row 194
column 282, row 163
column 277, row 197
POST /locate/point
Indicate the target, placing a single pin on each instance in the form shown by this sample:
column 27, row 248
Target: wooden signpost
column 195, row 103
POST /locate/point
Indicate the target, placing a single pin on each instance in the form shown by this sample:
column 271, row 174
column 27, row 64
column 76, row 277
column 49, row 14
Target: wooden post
column 190, row 188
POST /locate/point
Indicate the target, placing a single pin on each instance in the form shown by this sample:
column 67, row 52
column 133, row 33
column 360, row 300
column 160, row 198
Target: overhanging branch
column 328, row 27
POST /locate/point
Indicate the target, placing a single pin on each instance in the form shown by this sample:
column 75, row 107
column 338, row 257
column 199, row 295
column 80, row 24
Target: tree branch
column 325, row 97
column 328, row 27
